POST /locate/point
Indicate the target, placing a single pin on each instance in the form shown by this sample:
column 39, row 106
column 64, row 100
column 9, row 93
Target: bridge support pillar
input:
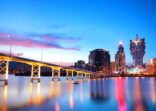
column 56, row 75
column 87, row 75
column 79, row 75
column 4, row 71
column 35, row 73
column 69, row 74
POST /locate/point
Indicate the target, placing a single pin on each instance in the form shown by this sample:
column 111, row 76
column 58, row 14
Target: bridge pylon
column 4, row 70
column 79, row 75
column 56, row 75
column 87, row 75
column 35, row 72
column 69, row 74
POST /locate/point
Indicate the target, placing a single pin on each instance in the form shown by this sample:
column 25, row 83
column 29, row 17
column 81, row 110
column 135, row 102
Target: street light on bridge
column 42, row 55
column 10, row 44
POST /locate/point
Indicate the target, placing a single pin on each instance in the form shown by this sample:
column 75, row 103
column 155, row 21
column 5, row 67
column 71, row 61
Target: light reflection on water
column 120, row 94
column 35, row 94
column 4, row 99
column 71, row 99
column 115, row 94
column 152, row 90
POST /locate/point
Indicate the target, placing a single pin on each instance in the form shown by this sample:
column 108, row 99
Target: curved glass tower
column 137, row 48
column 101, row 59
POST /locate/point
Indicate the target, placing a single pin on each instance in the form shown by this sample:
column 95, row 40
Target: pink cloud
column 24, row 41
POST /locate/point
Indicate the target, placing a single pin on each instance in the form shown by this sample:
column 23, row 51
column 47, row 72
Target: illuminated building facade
column 113, row 66
column 101, row 59
column 120, row 58
column 137, row 48
column 151, row 66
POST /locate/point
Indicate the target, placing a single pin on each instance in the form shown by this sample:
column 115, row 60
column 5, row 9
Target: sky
column 64, row 31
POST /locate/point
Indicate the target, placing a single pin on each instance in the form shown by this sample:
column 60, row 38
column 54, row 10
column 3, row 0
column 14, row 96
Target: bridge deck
column 36, row 62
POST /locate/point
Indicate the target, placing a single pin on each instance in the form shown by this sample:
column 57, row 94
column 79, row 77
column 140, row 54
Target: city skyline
column 84, row 24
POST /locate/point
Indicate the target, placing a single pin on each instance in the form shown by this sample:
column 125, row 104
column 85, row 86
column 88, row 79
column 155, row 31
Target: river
column 109, row 94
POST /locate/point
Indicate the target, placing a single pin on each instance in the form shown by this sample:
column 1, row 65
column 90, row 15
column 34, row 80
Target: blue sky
column 66, row 30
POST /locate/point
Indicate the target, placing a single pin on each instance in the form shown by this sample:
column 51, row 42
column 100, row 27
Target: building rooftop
column 137, row 40
column 99, row 50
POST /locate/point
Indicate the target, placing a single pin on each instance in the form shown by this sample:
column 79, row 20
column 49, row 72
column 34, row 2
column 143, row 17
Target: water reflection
column 81, row 92
column 4, row 99
column 120, row 94
column 140, row 91
column 88, row 91
column 35, row 97
column 57, row 107
column 55, row 89
column 152, row 89
column 99, row 90
column 139, row 104
column 71, row 98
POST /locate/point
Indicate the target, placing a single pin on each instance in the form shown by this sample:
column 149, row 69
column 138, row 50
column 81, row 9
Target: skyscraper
column 137, row 48
column 101, row 59
column 80, row 64
column 151, row 66
column 120, row 58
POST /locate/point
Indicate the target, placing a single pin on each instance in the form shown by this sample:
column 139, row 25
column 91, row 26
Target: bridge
column 36, row 69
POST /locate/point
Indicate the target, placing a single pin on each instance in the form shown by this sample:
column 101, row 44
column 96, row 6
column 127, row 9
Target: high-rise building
column 137, row 48
column 120, row 61
column 91, row 68
column 101, row 59
column 113, row 66
column 80, row 64
column 151, row 66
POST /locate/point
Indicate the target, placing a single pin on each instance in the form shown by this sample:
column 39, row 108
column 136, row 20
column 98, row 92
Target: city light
column 120, row 42
column 77, row 55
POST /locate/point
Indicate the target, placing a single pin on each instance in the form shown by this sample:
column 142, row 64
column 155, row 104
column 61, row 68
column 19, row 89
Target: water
column 113, row 94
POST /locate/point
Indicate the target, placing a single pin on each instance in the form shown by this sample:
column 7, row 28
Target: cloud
column 50, row 26
column 59, row 37
column 34, row 40
column 55, row 26
column 5, row 29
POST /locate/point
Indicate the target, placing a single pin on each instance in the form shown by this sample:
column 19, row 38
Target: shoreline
column 121, row 75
